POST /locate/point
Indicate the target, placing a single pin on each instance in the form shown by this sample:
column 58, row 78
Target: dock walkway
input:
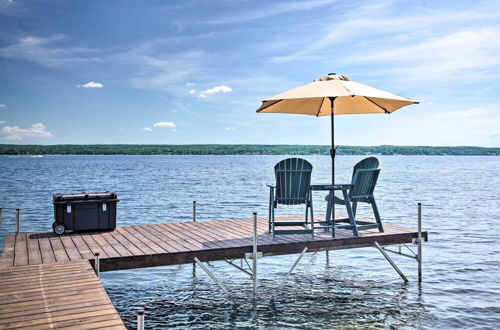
column 60, row 295
column 179, row 242
column 48, row 280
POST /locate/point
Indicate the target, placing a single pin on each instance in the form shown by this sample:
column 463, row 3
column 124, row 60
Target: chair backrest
column 293, row 180
column 364, row 178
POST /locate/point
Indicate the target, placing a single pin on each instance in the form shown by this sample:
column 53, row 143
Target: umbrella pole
column 332, row 154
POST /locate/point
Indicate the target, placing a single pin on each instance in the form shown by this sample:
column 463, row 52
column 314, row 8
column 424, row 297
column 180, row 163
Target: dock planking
column 31, row 296
column 180, row 242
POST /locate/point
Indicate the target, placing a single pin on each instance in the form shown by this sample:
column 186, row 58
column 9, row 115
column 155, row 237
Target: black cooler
column 85, row 211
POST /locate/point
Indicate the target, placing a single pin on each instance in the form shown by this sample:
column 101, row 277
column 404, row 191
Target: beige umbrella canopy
column 334, row 94
column 350, row 98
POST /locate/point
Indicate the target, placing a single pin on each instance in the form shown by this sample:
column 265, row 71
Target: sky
column 182, row 72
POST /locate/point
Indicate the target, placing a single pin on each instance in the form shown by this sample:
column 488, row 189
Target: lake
column 341, row 289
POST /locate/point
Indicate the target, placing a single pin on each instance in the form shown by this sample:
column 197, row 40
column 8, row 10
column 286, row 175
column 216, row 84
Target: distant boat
column 37, row 156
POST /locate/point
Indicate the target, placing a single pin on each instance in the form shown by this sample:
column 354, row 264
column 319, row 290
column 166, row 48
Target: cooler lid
column 84, row 196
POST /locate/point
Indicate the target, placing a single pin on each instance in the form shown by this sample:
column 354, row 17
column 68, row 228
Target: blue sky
column 175, row 72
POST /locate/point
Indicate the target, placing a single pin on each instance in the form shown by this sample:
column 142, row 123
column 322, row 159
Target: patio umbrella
column 334, row 94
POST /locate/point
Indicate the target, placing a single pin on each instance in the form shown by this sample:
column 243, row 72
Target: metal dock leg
column 419, row 246
column 212, row 276
column 97, row 264
column 194, row 220
column 18, row 220
column 140, row 319
column 290, row 271
column 391, row 262
column 254, row 257
column 296, row 262
column 194, row 211
column 240, row 268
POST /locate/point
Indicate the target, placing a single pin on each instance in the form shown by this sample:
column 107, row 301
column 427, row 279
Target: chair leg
column 307, row 215
column 354, row 208
column 271, row 202
column 328, row 216
column 352, row 219
column 272, row 219
column 377, row 215
column 312, row 222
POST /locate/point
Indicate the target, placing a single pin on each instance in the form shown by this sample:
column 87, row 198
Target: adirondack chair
column 293, row 187
column 364, row 179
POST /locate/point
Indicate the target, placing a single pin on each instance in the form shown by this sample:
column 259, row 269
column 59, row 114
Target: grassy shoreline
column 238, row 149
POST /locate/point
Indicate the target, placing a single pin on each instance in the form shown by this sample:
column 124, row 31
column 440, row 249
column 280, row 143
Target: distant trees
column 237, row 149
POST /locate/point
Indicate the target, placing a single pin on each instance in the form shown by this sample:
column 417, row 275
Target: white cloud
column 17, row 133
column 43, row 52
column 147, row 129
column 168, row 124
column 218, row 89
column 2, row 121
column 91, row 84
column 190, row 84
column 214, row 90
column 3, row 106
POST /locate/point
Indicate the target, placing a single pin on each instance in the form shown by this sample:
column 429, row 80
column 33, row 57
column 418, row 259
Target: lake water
column 346, row 289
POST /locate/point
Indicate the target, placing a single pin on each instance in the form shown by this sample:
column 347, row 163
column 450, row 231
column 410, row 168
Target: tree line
column 237, row 149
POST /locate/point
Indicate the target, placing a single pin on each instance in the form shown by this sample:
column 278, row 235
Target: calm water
column 346, row 289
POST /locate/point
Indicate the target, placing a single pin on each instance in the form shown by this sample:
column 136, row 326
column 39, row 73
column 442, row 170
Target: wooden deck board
column 176, row 243
column 30, row 297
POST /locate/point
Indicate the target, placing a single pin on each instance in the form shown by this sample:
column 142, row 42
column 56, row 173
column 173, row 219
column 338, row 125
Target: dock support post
column 240, row 268
column 1, row 212
column 419, row 246
column 194, row 211
column 254, row 259
column 140, row 319
column 296, row 262
column 396, row 268
column 97, row 264
column 212, row 276
column 194, row 220
column 17, row 220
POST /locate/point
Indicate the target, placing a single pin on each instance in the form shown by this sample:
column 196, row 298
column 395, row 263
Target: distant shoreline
column 239, row 149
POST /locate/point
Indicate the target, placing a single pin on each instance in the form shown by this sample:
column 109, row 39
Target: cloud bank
column 37, row 130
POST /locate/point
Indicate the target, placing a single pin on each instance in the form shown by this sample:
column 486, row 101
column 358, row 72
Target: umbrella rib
column 267, row 106
column 320, row 106
column 381, row 107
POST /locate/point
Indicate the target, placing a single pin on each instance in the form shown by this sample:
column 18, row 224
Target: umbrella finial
column 332, row 76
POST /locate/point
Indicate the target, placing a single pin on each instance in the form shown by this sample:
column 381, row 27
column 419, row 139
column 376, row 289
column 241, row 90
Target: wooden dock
column 58, row 295
column 179, row 242
column 31, row 263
